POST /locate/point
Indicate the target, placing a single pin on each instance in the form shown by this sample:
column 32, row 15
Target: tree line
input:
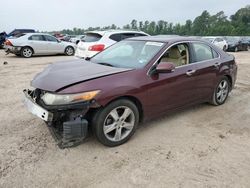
column 205, row 24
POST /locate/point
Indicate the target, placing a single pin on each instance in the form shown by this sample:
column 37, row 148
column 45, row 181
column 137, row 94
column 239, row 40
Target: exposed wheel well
column 135, row 101
column 30, row 48
column 69, row 46
column 131, row 98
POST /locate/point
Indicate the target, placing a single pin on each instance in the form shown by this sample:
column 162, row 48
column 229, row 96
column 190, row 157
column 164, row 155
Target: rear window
column 92, row 37
column 121, row 36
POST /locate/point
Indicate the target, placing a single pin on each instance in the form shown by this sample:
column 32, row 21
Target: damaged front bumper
column 67, row 123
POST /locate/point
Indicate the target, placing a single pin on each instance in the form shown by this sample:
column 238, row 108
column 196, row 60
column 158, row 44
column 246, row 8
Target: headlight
column 59, row 99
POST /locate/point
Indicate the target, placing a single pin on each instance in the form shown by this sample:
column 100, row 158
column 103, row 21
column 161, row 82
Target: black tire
column 69, row 51
column 103, row 116
column 26, row 52
column 220, row 99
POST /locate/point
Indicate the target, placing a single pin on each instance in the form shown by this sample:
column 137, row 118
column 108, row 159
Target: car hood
column 62, row 74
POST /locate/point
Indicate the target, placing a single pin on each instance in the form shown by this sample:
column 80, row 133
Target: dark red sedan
column 130, row 82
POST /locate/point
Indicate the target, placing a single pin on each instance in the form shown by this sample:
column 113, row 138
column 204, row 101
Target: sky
column 52, row 15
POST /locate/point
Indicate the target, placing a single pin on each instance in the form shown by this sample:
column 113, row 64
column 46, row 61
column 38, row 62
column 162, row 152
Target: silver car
column 29, row 44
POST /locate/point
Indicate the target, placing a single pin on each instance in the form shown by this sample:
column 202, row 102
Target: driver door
column 167, row 91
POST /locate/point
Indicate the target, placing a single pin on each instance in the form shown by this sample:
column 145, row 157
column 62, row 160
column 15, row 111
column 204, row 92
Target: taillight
column 8, row 43
column 97, row 47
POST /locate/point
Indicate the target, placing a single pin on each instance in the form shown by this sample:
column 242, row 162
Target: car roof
column 166, row 38
column 115, row 32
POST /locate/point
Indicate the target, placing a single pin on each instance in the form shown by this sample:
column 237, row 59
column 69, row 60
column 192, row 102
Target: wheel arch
column 133, row 99
column 68, row 46
column 33, row 51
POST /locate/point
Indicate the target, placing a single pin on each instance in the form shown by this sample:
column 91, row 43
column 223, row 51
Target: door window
column 177, row 54
column 202, row 52
column 50, row 38
column 36, row 38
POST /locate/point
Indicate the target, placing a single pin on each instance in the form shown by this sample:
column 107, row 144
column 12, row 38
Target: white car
column 76, row 39
column 218, row 41
column 29, row 44
column 96, row 41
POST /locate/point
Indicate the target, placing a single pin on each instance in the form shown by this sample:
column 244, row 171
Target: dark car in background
column 247, row 41
column 236, row 44
column 132, row 81
column 20, row 31
column 2, row 38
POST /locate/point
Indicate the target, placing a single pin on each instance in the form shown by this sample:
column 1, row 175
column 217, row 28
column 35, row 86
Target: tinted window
column 127, row 35
column 92, row 37
column 36, row 37
column 116, row 37
column 50, row 38
column 202, row 52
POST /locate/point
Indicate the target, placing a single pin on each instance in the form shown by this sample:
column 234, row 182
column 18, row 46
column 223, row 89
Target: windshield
column 128, row 54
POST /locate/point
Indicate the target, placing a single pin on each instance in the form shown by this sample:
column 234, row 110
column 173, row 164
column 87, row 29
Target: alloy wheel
column 119, row 123
column 222, row 91
column 69, row 51
column 27, row 52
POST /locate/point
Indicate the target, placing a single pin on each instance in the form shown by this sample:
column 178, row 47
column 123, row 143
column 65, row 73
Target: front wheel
column 116, row 123
column 69, row 50
column 221, row 92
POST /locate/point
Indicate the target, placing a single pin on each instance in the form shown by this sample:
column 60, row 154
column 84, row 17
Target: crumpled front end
column 67, row 123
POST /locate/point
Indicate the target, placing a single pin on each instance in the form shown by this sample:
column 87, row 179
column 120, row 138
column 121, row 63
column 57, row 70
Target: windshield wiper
column 88, row 58
column 106, row 64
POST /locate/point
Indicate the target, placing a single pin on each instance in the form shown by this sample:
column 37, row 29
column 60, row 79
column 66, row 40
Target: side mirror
column 165, row 67
column 59, row 41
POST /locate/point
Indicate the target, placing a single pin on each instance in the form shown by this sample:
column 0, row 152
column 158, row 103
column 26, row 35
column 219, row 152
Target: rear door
column 207, row 63
column 38, row 43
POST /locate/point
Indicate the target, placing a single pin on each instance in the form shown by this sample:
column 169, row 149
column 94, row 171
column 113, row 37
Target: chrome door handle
column 190, row 72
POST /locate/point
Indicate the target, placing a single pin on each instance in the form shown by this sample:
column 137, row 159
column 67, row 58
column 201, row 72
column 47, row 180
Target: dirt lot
column 203, row 146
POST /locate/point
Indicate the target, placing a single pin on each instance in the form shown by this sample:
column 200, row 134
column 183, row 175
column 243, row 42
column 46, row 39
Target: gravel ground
column 202, row 146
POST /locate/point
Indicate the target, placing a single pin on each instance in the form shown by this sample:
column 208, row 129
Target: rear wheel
column 221, row 92
column 69, row 50
column 116, row 123
column 26, row 52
